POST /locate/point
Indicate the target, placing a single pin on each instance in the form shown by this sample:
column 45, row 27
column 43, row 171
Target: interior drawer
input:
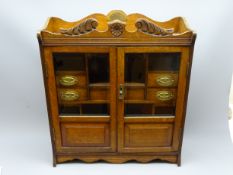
column 161, row 96
column 71, row 78
column 162, row 79
column 71, row 95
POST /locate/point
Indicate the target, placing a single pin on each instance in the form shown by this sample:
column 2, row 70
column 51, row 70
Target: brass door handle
column 121, row 92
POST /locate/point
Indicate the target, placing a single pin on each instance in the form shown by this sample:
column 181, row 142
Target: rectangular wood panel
column 148, row 135
column 85, row 134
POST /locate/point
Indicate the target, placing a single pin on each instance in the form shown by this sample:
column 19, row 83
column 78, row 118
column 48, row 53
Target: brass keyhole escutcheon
column 121, row 92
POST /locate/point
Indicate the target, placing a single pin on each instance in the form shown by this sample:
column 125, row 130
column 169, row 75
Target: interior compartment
column 84, row 109
column 95, row 109
column 135, row 68
column 69, row 61
column 165, row 111
column 134, row 93
column 69, row 110
column 164, row 61
column 138, row 109
column 99, row 93
column 98, row 67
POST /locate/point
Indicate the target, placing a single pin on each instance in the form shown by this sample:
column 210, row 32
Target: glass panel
column 67, row 110
column 93, row 109
column 71, row 61
column 151, row 84
column 135, row 65
column 82, row 81
column 138, row 109
column 98, row 68
column 164, row 61
column 165, row 110
column 85, row 109
column 148, row 110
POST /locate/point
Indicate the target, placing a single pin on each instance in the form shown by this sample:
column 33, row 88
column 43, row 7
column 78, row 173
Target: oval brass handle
column 68, row 80
column 164, row 95
column 165, row 80
column 69, row 95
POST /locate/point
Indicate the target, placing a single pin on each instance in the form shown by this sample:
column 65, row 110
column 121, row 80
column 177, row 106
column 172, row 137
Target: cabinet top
column 116, row 28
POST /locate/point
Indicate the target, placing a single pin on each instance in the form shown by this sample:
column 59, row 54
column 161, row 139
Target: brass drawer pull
column 164, row 95
column 165, row 80
column 68, row 80
column 70, row 95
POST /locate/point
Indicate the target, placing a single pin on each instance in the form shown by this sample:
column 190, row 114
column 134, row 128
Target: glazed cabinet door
column 151, row 95
column 81, row 85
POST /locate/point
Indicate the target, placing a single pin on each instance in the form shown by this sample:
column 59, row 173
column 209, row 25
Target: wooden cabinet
column 116, row 87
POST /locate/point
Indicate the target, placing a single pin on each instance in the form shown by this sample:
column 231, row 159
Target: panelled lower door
column 82, row 94
column 151, row 92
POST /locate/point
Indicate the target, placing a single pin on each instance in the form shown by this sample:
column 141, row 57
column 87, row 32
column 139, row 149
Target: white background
column 24, row 133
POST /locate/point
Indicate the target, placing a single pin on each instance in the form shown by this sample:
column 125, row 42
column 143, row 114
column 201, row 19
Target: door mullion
column 120, row 104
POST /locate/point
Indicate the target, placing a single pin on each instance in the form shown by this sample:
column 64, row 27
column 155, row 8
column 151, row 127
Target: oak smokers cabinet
column 116, row 87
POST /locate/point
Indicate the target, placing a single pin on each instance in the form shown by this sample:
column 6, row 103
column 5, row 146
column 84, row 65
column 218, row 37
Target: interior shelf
column 134, row 84
column 139, row 101
column 81, row 118
column 85, row 102
column 99, row 85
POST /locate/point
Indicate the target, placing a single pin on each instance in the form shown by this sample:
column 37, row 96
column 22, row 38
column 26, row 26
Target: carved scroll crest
column 151, row 28
column 82, row 28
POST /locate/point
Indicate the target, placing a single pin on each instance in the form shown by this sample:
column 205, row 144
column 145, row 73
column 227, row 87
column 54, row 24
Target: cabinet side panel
column 181, row 99
column 45, row 76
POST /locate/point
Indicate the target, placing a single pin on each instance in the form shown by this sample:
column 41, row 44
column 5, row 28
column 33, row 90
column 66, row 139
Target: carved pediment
column 116, row 26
